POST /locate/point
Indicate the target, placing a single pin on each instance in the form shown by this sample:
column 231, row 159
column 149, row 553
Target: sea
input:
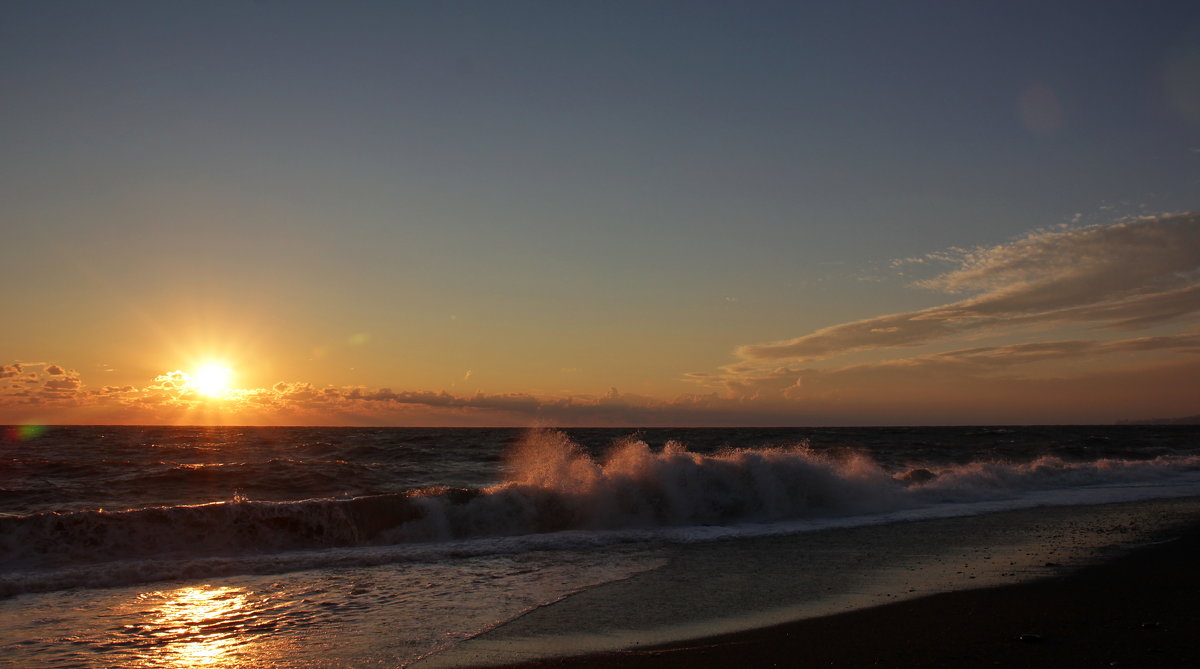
column 127, row 546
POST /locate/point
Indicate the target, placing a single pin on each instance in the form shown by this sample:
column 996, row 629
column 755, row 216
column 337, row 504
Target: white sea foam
column 557, row 496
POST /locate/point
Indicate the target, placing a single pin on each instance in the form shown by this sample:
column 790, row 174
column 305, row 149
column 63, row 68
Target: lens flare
column 17, row 433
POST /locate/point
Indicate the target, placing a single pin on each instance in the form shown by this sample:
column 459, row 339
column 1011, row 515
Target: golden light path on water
column 194, row 627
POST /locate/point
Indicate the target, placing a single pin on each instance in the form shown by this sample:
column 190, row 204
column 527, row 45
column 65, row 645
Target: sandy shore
column 1141, row 609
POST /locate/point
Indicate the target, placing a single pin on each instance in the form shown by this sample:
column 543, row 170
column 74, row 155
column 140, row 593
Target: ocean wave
column 553, row 485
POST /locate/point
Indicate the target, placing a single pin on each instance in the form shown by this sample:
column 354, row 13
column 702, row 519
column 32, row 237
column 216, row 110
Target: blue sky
column 391, row 194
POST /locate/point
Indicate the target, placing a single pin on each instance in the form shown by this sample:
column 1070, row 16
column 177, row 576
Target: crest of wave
column 986, row 480
column 554, row 485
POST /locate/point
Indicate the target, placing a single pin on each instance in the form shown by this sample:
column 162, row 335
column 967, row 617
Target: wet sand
column 1140, row 607
column 1140, row 610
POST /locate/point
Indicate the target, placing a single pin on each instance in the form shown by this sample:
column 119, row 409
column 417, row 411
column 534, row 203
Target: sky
column 599, row 213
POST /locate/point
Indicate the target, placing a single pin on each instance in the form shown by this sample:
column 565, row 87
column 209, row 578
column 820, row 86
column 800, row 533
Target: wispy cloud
column 1045, row 381
column 1129, row 274
column 962, row 363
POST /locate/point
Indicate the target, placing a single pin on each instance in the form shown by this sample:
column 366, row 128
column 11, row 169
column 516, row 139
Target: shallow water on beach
column 721, row 587
column 320, row 547
column 354, row 617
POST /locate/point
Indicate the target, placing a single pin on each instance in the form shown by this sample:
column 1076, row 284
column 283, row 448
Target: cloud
column 967, row 368
column 171, row 398
column 1058, row 381
column 1127, row 275
column 987, row 360
column 980, row 384
column 40, row 384
column 62, row 385
column 1138, row 311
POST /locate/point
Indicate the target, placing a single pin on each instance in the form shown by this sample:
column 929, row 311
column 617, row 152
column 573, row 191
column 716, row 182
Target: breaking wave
column 553, row 485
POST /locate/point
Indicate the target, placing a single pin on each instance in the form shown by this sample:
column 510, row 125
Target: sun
column 212, row 379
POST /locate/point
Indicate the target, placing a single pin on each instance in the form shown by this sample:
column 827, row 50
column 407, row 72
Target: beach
column 1137, row 610
column 1129, row 604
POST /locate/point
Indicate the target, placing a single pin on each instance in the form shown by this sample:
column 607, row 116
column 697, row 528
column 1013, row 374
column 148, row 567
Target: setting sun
column 212, row 379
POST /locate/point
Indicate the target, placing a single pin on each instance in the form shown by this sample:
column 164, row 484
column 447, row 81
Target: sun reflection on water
column 193, row 627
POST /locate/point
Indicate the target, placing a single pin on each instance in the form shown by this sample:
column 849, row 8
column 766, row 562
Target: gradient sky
column 629, row 213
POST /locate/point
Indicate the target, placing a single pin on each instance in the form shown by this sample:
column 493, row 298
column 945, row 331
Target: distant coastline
column 1186, row 420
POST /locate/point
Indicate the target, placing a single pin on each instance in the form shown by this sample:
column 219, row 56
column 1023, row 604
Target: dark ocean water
column 82, row 495
column 71, row 468
column 449, row 513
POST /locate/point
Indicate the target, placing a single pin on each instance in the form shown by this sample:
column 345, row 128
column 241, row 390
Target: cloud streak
column 1127, row 275
column 1068, row 380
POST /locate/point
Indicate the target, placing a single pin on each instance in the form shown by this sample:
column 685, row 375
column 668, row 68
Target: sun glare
column 213, row 379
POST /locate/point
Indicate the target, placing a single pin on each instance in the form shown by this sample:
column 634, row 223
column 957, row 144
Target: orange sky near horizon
column 1102, row 316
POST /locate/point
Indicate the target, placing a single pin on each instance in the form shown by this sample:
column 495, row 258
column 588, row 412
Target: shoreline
column 1134, row 608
